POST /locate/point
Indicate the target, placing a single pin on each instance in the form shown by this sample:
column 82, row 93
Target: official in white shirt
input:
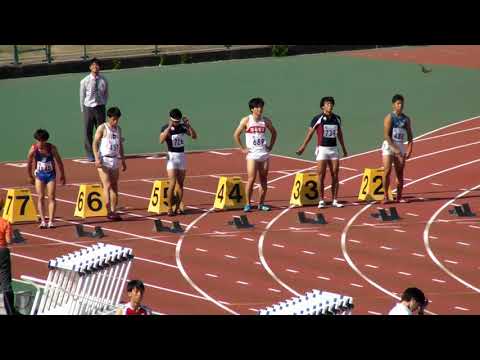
column 413, row 300
column 93, row 99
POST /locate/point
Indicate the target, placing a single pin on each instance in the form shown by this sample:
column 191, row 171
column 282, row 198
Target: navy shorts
column 45, row 177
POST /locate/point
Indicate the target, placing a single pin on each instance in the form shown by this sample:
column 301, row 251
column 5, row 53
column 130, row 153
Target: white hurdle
column 315, row 302
column 85, row 282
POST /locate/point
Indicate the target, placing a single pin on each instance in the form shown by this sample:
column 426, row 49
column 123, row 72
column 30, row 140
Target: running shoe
column 50, row 225
column 321, row 204
column 336, row 204
column 263, row 207
column 42, row 225
column 247, row 208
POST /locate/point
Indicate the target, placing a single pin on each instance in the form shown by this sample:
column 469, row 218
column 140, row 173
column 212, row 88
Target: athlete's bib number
column 330, row 131
column 114, row 148
column 398, row 134
column 258, row 141
column 44, row 166
column 177, row 140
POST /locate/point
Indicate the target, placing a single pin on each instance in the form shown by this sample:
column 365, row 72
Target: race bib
column 398, row 134
column 177, row 140
column 114, row 148
column 330, row 131
column 257, row 141
column 45, row 166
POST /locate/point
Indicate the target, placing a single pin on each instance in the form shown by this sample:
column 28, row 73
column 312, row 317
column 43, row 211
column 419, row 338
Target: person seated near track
column 396, row 127
column 5, row 264
column 135, row 292
column 173, row 134
column 108, row 152
column 257, row 150
column 413, row 300
column 328, row 127
column 42, row 157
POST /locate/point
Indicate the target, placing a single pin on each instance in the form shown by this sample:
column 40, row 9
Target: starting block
column 97, row 233
column 384, row 216
column 463, row 211
column 240, row 222
column 17, row 237
column 303, row 219
column 159, row 227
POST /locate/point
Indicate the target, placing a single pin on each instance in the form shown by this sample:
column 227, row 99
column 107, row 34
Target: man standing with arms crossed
column 257, row 150
column 93, row 98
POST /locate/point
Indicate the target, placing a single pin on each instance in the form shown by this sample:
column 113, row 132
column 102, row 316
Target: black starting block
column 463, row 211
column 303, row 219
column 240, row 222
column 176, row 227
column 97, row 233
column 159, row 227
column 17, row 237
column 385, row 216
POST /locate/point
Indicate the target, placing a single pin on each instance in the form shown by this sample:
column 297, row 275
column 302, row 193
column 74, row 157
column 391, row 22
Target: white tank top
column 110, row 144
column 255, row 135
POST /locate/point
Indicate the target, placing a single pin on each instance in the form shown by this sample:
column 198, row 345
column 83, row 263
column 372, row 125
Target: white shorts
column 176, row 160
column 111, row 163
column 326, row 153
column 258, row 156
column 387, row 150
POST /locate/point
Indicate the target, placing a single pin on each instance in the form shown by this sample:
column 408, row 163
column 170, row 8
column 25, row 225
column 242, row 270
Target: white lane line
column 215, row 176
column 308, row 252
column 274, row 290
column 374, row 312
column 278, row 245
column 435, row 184
column 248, row 239
column 439, row 281
column 187, row 188
column 419, row 255
column 29, row 258
column 338, row 218
column 371, row 266
column 421, row 198
column 202, row 250
column 258, row 263
column 386, row 248
column 231, row 257
column 252, row 309
column 426, row 240
column 442, row 220
column 433, row 237
column 310, row 213
column 355, row 203
column 408, row 179
column 338, row 259
column 474, row 227
column 323, row 277
column 264, row 222
column 462, row 189
column 452, row 262
column 404, row 273
column 283, row 172
column 463, row 243
column 292, row 271
column 218, row 235
column 461, row 308
column 411, row 214
column 220, row 153
column 356, row 285
column 242, row 282
column 324, row 235
column 354, row 241
column 347, row 168
column 398, row 230
column 212, row 275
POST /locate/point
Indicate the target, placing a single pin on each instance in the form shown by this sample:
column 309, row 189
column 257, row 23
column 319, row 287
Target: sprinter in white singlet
column 397, row 128
column 257, row 150
column 108, row 151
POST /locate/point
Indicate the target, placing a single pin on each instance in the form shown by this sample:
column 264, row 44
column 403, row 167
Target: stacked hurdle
column 86, row 282
column 315, row 302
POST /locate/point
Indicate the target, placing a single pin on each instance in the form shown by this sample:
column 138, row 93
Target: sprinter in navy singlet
column 42, row 157
column 327, row 126
column 397, row 129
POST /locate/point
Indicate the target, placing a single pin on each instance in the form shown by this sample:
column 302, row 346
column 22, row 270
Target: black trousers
column 93, row 117
column 6, row 280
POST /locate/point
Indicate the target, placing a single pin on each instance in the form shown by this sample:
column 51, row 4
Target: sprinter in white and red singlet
column 135, row 292
column 328, row 127
column 255, row 126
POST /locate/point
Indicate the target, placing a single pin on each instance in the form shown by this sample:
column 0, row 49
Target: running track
column 215, row 269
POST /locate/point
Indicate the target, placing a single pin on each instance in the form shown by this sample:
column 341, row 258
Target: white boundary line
column 426, row 241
